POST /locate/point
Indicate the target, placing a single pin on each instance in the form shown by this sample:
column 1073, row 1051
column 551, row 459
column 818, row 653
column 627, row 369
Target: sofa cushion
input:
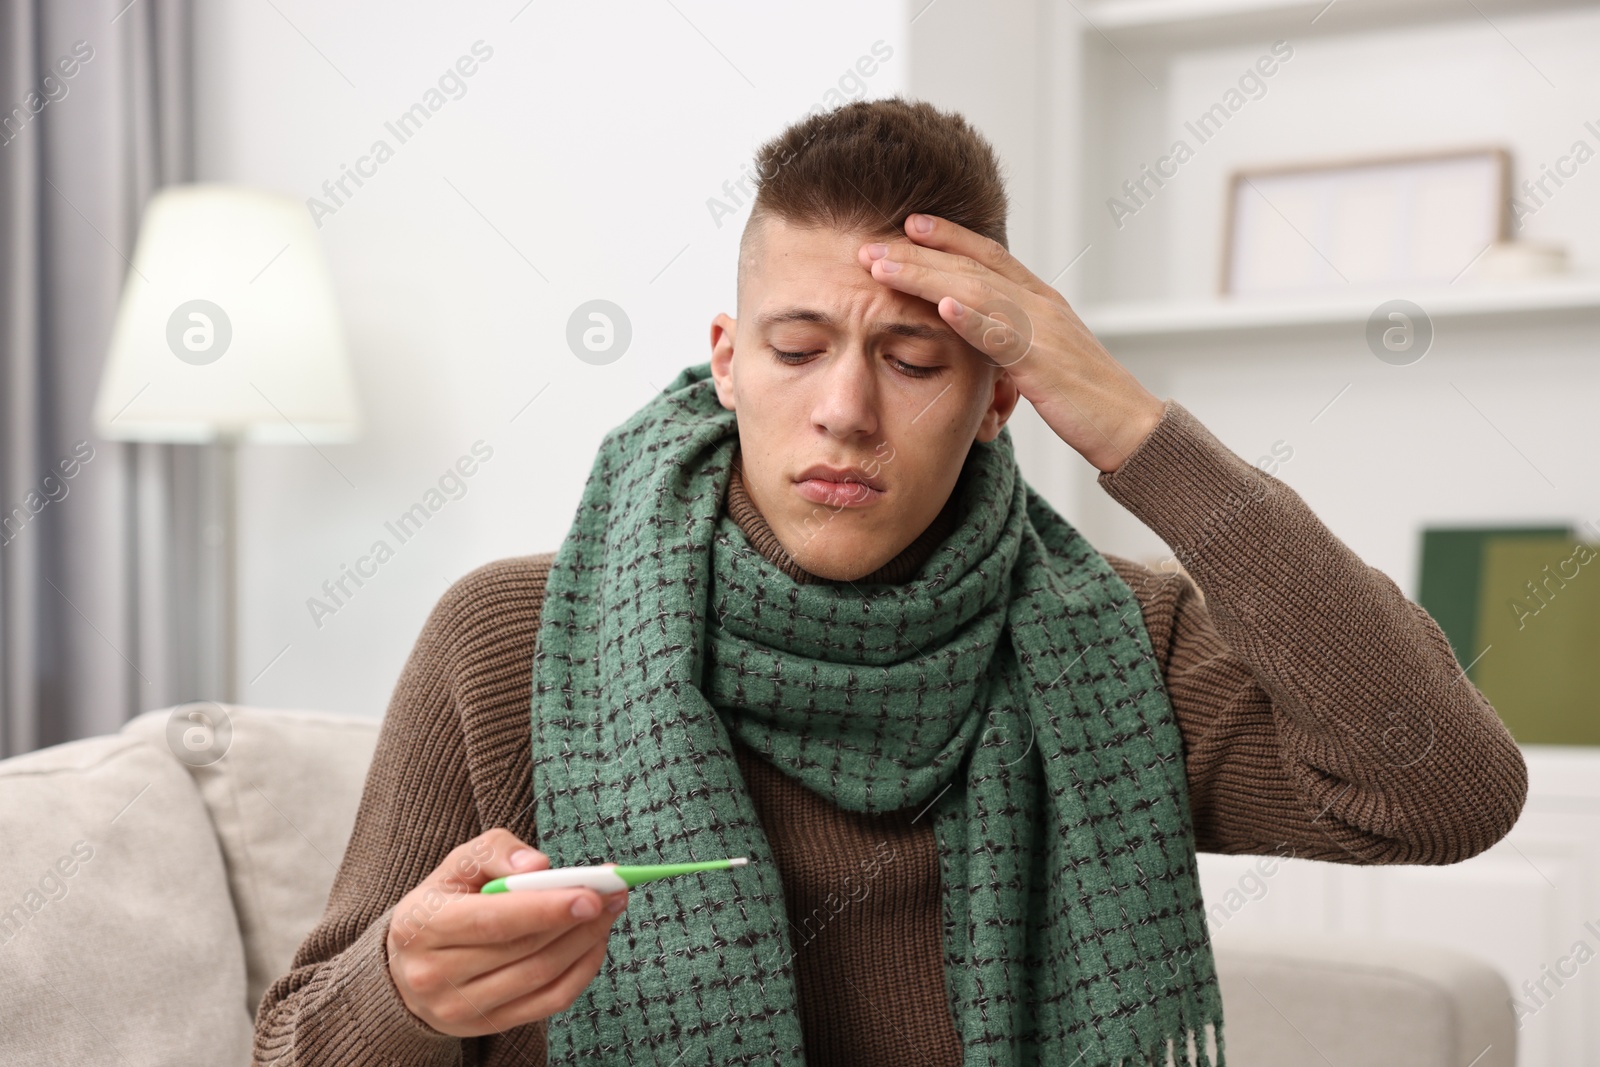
column 119, row 938
column 282, row 787
column 1306, row 997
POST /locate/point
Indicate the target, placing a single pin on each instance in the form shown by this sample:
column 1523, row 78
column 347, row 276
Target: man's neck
column 742, row 509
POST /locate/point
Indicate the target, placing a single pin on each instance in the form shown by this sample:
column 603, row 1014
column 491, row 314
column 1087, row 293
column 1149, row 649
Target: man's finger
column 523, row 920
column 553, row 998
column 933, row 285
column 480, row 919
column 1000, row 331
column 956, row 240
column 492, row 854
column 502, row 976
column 466, row 962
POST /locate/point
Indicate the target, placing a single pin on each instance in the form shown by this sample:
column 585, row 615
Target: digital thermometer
column 603, row 879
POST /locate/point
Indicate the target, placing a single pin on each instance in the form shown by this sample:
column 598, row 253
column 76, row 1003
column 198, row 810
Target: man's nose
column 848, row 403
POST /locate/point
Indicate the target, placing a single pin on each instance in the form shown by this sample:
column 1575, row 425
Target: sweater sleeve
column 1323, row 714
column 423, row 796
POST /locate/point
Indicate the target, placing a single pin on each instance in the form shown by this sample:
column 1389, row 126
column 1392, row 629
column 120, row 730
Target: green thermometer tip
column 638, row 875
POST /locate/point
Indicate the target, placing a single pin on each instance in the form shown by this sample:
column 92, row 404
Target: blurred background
column 1373, row 266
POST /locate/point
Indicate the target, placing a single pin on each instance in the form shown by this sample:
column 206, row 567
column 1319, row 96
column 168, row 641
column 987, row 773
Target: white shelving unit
column 1128, row 64
column 1148, row 319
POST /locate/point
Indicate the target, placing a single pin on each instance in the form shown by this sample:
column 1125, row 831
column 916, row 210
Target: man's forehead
column 896, row 326
column 811, row 275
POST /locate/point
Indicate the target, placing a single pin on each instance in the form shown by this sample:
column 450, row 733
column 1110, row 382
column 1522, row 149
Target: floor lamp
column 227, row 333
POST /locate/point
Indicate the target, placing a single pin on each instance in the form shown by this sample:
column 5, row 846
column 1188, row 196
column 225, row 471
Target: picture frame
column 1315, row 227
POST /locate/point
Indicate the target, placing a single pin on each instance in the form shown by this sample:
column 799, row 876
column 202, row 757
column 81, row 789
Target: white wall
column 576, row 165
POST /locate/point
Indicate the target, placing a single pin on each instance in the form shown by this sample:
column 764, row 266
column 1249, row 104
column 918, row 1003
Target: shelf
column 1176, row 318
column 1191, row 23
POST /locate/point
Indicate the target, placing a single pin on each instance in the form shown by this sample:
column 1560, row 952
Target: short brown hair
column 865, row 166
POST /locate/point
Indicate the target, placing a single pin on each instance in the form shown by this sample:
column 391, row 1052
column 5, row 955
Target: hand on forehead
column 958, row 271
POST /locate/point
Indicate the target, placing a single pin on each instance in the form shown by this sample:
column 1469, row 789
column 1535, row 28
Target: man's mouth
column 839, row 486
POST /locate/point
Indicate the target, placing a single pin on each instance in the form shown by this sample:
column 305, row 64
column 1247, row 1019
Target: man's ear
column 723, row 330
column 1002, row 402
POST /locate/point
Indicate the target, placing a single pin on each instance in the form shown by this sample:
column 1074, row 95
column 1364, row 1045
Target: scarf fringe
column 1205, row 1053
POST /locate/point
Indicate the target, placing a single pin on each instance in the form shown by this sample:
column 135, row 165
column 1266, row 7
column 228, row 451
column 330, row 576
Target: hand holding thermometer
column 609, row 879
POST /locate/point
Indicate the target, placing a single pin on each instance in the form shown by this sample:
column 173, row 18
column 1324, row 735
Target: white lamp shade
column 227, row 328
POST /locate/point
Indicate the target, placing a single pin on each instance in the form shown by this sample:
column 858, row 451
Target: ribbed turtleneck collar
column 761, row 537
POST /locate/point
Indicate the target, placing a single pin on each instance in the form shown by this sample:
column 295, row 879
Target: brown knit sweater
column 1323, row 715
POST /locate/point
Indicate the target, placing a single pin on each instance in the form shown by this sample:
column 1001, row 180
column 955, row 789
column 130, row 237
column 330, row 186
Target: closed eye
column 911, row 370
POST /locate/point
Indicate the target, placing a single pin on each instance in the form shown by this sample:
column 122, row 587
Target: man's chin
column 839, row 559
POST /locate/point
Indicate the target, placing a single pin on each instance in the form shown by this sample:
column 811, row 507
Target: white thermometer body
column 601, row 879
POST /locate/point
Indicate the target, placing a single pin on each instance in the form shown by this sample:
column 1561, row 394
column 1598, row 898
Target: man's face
column 884, row 389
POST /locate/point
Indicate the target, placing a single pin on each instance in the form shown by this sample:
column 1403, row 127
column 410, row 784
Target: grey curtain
column 100, row 542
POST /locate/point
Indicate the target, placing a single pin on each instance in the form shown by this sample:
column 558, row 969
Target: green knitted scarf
column 1009, row 685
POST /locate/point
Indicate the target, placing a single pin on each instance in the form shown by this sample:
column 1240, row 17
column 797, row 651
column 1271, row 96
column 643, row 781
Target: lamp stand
column 218, row 637
column 228, row 457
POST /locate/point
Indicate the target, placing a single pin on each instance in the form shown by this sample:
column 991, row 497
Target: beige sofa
column 149, row 900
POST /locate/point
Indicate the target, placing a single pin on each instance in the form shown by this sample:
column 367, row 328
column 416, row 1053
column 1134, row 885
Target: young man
column 809, row 612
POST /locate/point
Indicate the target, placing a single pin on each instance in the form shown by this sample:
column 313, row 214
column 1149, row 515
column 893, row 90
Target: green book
column 1521, row 608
